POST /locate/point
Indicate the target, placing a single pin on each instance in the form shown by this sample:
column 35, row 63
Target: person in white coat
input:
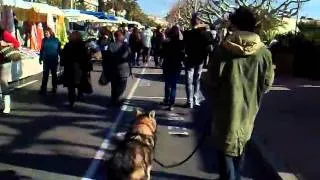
column 146, row 41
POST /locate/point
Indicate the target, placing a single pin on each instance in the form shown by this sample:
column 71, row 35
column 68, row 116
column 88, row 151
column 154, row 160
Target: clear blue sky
column 161, row 7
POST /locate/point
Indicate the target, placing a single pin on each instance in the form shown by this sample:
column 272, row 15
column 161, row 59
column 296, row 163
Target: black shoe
column 164, row 103
column 71, row 105
column 43, row 92
column 116, row 103
column 188, row 105
column 80, row 98
column 170, row 108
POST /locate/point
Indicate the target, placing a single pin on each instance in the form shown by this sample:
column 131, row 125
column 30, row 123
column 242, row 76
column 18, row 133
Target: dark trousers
column 146, row 54
column 157, row 56
column 47, row 68
column 135, row 56
column 230, row 167
column 157, row 60
column 118, row 86
column 72, row 94
column 170, row 87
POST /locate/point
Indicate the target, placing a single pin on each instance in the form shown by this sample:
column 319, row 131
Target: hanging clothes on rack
column 61, row 30
column 7, row 19
column 33, row 38
column 40, row 36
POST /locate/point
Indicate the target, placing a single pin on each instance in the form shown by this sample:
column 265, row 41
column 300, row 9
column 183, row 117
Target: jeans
column 4, row 86
column 170, row 87
column 47, row 67
column 229, row 167
column 135, row 56
column 193, row 75
column 118, row 86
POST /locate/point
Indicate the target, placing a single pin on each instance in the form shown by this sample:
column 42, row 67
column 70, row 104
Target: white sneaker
column 7, row 104
column 197, row 104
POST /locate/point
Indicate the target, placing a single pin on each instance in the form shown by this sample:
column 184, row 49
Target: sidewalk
column 288, row 128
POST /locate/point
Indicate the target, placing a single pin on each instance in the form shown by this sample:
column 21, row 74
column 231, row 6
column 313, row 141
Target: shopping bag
column 60, row 75
column 9, row 54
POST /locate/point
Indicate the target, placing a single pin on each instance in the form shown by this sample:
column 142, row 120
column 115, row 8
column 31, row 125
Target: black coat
column 173, row 56
column 116, row 64
column 197, row 44
column 76, row 62
column 135, row 42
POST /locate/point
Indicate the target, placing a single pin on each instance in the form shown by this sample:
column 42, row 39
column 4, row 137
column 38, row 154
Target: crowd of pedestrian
column 171, row 49
column 240, row 71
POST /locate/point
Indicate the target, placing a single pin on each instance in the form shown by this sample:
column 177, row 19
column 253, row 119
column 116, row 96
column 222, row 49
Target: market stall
column 28, row 66
column 26, row 21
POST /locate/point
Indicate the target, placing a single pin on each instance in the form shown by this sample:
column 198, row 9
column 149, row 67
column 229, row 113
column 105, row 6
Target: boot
column 7, row 104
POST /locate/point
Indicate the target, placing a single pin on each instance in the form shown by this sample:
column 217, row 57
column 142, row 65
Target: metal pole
column 195, row 5
column 71, row 4
column 179, row 6
column 297, row 20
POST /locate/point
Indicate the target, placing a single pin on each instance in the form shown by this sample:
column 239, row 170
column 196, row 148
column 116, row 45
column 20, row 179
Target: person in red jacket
column 6, row 39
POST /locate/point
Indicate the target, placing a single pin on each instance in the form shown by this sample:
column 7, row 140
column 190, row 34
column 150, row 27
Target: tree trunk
column 66, row 4
column 101, row 6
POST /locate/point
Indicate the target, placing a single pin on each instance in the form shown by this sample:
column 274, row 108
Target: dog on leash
column 132, row 159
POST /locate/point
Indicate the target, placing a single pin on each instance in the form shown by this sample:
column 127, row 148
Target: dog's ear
column 138, row 112
column 152, row 114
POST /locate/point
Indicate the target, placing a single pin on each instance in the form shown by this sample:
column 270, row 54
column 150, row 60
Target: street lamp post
column 297, row 20
column 195, row 5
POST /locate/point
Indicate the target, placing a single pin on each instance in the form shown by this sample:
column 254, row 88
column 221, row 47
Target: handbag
column 9, row 54
column 60, row 74
column 102, row 80
column 86, row 85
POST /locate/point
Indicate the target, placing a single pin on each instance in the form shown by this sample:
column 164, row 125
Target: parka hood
column 243, row 43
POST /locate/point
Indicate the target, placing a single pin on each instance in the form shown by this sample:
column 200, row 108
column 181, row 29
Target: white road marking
column 26, row 84
column 106, row 142
column 151, row 73
column 154, row 97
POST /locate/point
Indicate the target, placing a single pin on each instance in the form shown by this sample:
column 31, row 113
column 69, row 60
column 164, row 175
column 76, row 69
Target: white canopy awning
column 46, row 9
column 74, row 15
column 16, row 3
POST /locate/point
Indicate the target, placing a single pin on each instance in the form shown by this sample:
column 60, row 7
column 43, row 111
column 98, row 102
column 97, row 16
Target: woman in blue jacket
column 49, row 55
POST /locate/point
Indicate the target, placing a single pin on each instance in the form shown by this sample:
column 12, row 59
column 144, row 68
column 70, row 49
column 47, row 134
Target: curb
column 277, row 165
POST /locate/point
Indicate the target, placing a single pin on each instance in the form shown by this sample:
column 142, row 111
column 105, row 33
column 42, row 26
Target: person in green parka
column 237, row 78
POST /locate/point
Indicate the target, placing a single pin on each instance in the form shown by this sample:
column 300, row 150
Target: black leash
column 205, row 134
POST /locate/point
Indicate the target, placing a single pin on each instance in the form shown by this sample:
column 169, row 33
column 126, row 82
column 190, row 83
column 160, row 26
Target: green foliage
column 134, row 12
column 311, row 30
column 311, row 25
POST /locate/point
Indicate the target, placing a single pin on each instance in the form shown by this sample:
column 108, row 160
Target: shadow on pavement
column 12, row 175
column 288, row 126
column 158, row 77
column 156, row 175
column 42, row 133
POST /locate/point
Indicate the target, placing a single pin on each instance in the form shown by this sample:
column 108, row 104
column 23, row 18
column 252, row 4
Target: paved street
column 42, row 139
